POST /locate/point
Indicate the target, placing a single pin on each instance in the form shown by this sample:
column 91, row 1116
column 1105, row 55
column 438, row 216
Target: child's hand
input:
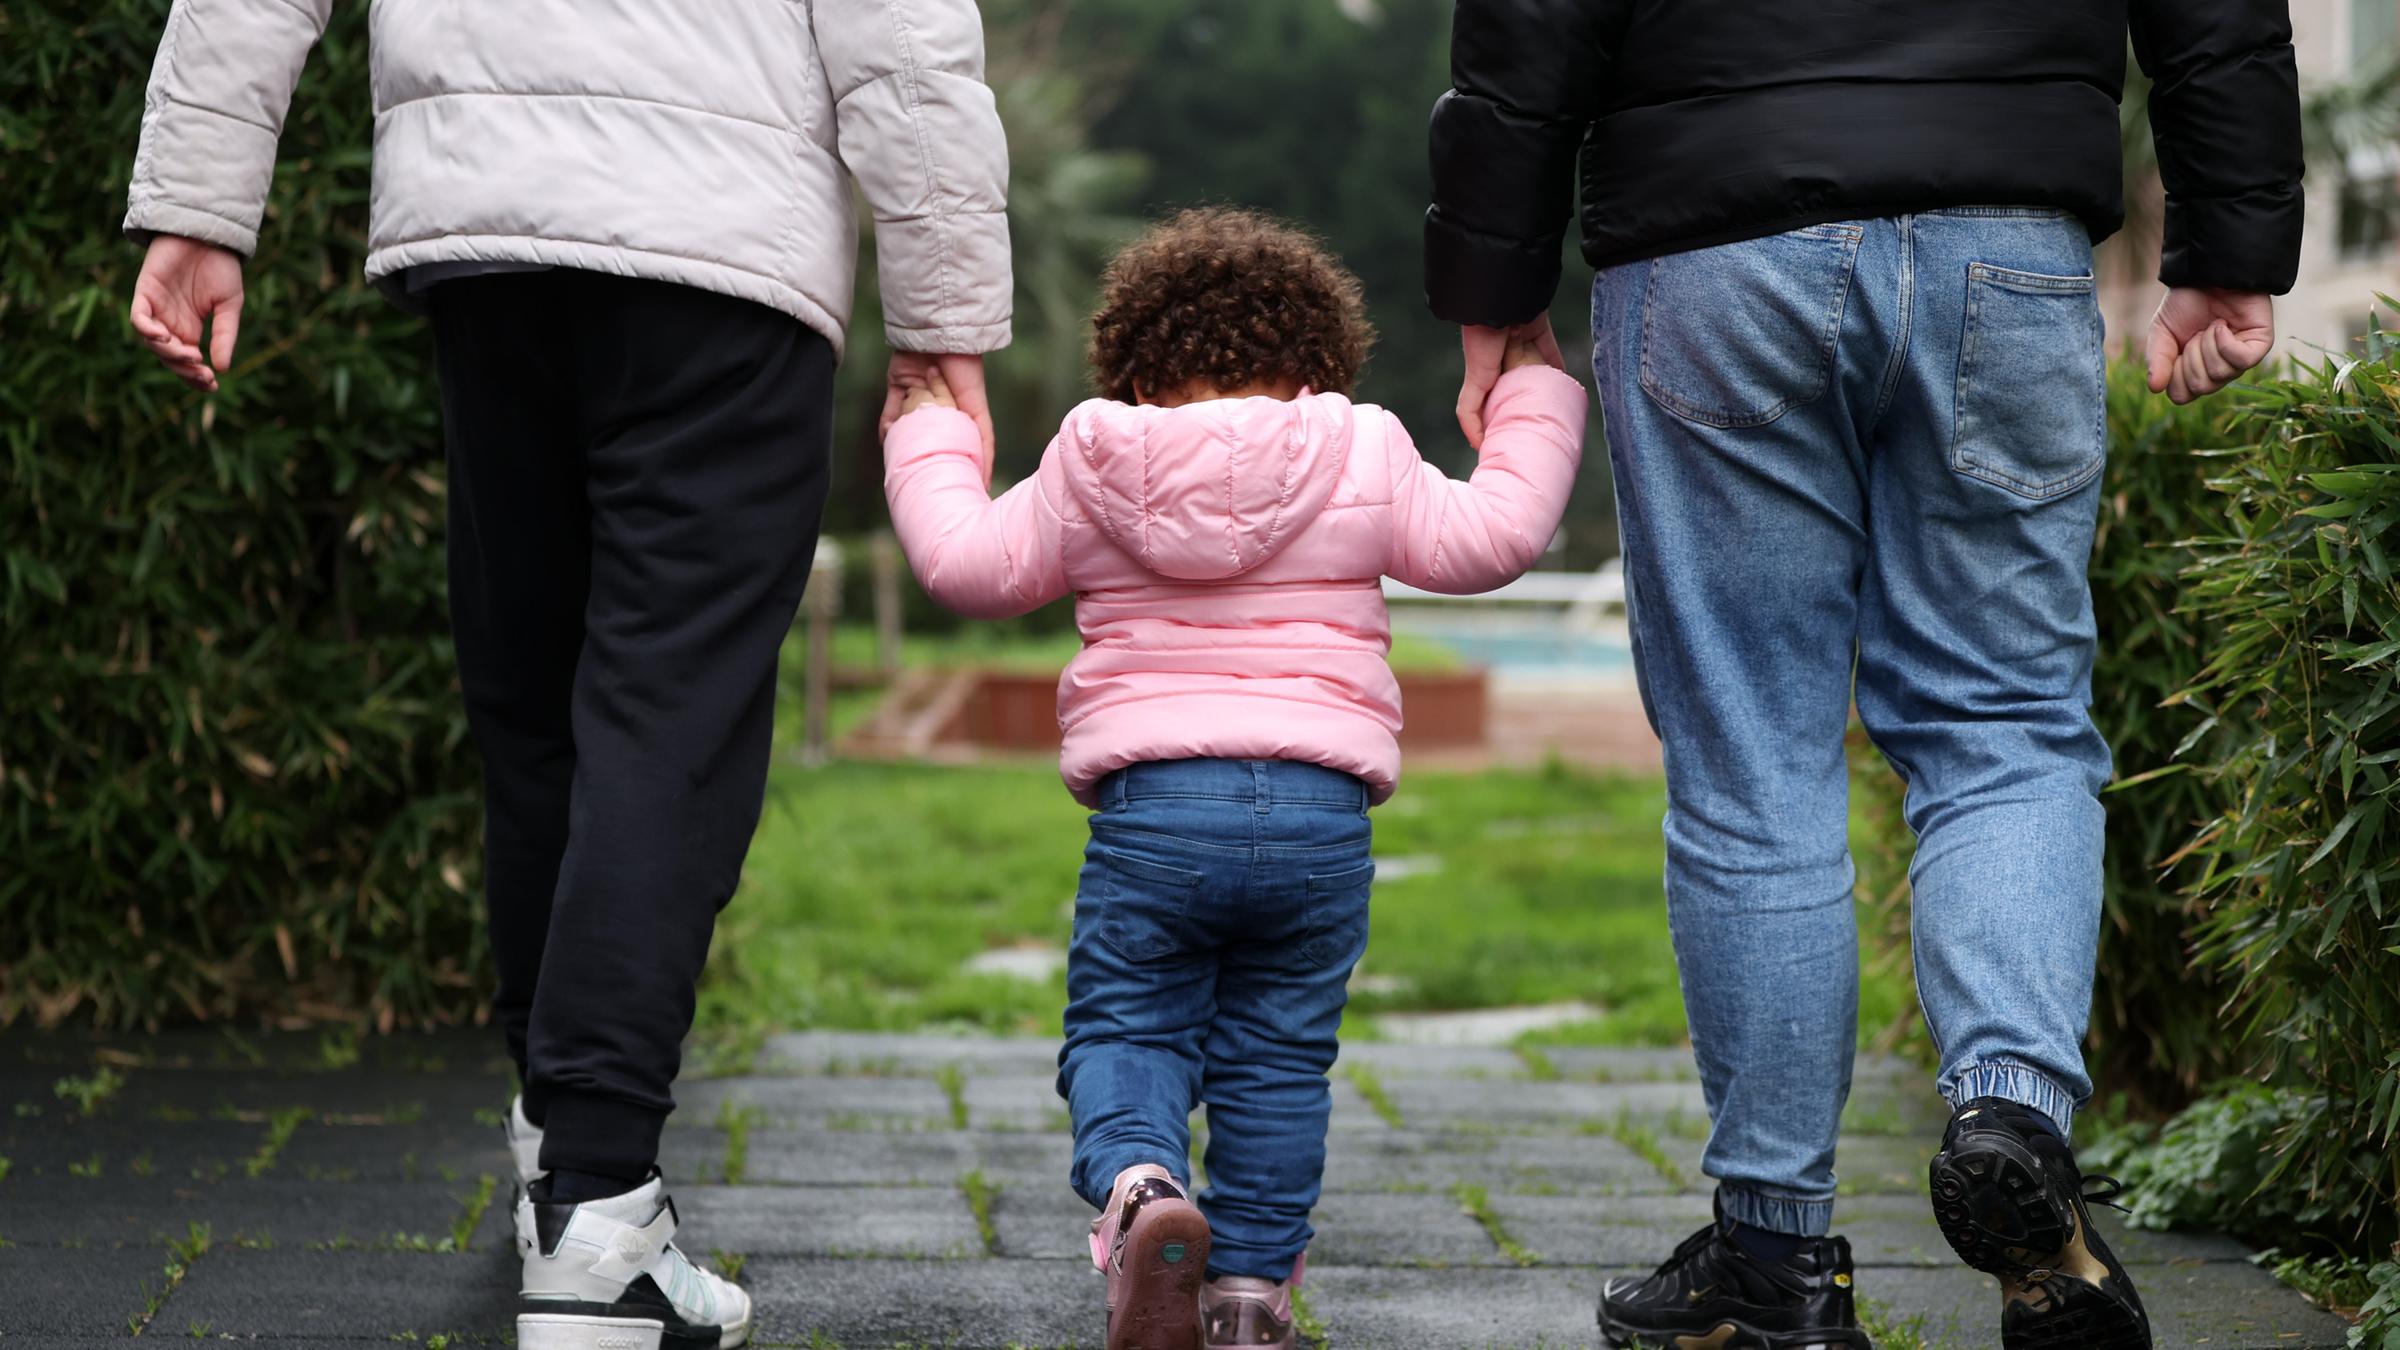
column 1522, row 352
column 923, row 390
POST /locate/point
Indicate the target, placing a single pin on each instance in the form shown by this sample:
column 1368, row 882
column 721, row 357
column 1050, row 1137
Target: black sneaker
column 2012, row 1202
column 1712, row 1295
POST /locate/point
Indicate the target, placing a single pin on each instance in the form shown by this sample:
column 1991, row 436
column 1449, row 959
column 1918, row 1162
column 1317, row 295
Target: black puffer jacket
column 1707, row 121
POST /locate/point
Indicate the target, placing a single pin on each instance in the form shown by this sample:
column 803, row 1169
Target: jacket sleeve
column 1459, row 538
column 218, row 92
column 921, row 133
column 2225, row 111
column 980, row 557
column 1526, row 78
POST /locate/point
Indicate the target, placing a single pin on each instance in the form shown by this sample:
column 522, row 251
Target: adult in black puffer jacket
column 1704, row 121
column 1847, row 338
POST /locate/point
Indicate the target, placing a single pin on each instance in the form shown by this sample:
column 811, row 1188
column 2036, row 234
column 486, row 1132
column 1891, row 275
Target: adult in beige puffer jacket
column 631, row 225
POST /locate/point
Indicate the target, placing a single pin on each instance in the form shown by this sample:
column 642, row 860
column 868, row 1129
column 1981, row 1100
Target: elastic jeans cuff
column 2015, row 1083
column 1775, row 1213
column 608, row 1135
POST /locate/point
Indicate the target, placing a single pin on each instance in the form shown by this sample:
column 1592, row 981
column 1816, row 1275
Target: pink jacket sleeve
column 1459, row 538
column 981, row 557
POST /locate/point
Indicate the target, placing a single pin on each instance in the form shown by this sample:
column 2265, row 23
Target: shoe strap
column 626, row 1250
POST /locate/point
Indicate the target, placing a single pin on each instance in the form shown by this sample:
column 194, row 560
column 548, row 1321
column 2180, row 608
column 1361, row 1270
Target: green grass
column 870, row 885
column 1477, row 1204
column 980, row 1192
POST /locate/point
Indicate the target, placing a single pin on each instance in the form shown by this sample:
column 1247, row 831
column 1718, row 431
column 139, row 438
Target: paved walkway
column 891, row 1191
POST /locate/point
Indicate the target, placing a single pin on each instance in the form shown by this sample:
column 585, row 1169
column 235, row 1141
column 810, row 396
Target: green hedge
column 233, row 777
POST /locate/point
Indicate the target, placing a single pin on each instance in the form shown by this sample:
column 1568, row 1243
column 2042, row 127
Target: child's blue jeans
column 1221, row 908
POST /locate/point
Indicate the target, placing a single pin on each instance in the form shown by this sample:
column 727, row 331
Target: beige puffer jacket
column 710, row 144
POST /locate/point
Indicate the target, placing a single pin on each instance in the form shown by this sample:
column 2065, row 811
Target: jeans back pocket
column 1143, row 904
column 2032, row 383
column 1739, row 334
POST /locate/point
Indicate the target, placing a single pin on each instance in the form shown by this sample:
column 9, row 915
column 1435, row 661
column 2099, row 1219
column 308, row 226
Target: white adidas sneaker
column 525, row 1148
column 606, row 1275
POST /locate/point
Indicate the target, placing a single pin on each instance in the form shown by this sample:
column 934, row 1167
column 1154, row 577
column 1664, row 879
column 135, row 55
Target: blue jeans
column 1221, row 908
column 1861, row 462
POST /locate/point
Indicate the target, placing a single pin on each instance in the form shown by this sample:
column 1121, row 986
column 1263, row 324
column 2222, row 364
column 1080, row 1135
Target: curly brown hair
column 1228, row 298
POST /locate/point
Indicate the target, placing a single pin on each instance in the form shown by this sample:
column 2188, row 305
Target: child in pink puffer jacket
column 1224, row 516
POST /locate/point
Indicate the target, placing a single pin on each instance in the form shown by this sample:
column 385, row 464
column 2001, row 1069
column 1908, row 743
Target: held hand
column 1522, row 352
column 1486, row 351
column 185, row 284
column 2202, row 340
column 932, row 392
column 962, row 375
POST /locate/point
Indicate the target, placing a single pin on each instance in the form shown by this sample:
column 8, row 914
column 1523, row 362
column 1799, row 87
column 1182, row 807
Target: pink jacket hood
column 1207, row 491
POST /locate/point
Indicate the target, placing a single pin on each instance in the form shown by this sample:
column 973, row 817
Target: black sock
column 1761, row 1245
column 562, row 1187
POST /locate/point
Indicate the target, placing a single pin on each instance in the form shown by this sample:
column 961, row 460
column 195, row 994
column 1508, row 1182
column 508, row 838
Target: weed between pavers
column 1642, row 1142
column 471, row 1212
column 729, row 1264
column 1305, row 1320
column 1891, row 1331
column 1371, row 1087
column 953, row 1082
column 181, row 1254
column 280, row 1126
column 980, row 1192
column 1538, row 1066
column 90, row 1092
column 737, row 1120
column 1478, row 1206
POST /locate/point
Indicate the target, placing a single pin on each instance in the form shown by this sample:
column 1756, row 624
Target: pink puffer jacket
column 1226, row 559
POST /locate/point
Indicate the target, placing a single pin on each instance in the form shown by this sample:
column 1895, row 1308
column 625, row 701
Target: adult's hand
column 184, row 285
column 1485, row 349
column 964, row 375
column 2202, row 340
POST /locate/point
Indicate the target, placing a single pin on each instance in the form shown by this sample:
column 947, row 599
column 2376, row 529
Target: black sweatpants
column 637, row 473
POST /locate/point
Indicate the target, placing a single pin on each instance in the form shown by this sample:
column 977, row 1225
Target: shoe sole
column 1995, row 1208
column 1155, row 1300
column 1729, row 1335
column 1993, row 1203
column 592, row 1331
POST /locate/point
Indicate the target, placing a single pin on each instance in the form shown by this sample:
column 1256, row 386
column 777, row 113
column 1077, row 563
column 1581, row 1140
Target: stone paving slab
column 895, row 1221
column 119, row 1147
column 73, row 1291
column 820, row 1103
column 855, row 1053
column 112, row 1212
column 1405, row 1161
column 962, row 1305
column 1435, row 1102
column 293, row 1294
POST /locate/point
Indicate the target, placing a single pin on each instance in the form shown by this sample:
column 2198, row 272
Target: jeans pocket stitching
column 1963, row 460
column 1849, row 240
column 1113, row 867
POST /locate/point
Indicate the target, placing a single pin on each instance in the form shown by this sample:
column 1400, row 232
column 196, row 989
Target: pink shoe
column 1240, row 1311
column 1152, row 1244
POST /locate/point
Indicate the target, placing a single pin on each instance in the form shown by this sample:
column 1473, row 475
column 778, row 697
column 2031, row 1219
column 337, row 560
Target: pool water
column 1530, row 648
